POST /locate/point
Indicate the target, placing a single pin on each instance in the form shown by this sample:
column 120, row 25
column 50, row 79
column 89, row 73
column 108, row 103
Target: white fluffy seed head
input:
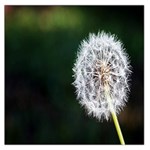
column 101, row 59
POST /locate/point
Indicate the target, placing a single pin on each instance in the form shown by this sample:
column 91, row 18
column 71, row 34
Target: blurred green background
column 41, row 43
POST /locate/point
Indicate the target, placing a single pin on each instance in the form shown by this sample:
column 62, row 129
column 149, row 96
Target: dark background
column 40, row 48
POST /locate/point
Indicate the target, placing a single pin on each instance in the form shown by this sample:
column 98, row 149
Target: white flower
column 101, row 60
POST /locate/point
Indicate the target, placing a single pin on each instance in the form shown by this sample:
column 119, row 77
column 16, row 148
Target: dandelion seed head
column 101, row 60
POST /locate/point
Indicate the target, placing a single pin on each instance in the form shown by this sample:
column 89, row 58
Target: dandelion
column 101, row 74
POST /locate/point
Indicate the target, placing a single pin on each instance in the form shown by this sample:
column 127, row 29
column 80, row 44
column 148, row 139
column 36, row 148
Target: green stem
column 118, row 128
column 114, row 116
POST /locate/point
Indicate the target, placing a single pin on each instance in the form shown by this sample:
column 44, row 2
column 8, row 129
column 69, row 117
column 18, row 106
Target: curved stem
column 114, row 116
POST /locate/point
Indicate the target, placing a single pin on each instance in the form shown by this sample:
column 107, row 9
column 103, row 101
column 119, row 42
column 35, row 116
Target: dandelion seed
column 101, row 74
